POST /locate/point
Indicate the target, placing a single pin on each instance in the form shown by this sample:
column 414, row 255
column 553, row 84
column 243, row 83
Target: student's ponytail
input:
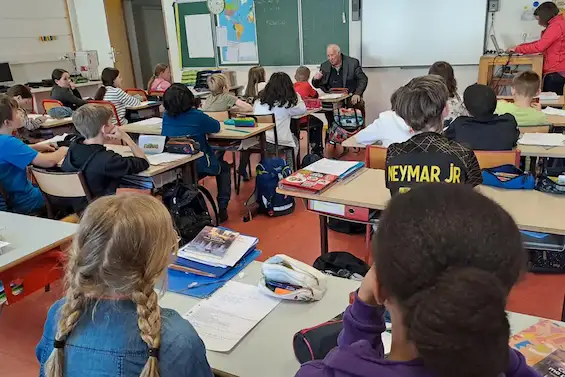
column 108, row 77
column 159, row 68
column 459, row 325
column 100, row 93
column 151, row 81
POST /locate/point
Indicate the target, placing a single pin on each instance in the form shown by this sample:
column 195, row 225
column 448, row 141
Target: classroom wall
column 22, row 22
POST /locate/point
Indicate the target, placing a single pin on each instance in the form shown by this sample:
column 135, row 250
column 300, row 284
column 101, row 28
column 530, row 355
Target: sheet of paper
column 199, row 36
column 335, row 167
column 548, row 96
column 553, row 111
column 331, row 96
column 232, row 55
column 221, row 36
column 544, row 140
column 35, row 116
column 164, row 158
column 386, row 337
column 54, row 139
column 236, row 251
column 226, row 317
column 151, row 122
column 248, row 52
column 53, row 120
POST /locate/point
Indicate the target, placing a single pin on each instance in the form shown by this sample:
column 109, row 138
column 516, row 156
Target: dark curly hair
column 445, row 70
column 279, row 92
column 178, row 99
column 448, row 256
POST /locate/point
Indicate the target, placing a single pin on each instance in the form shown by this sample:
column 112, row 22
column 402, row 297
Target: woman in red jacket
column 551, row 45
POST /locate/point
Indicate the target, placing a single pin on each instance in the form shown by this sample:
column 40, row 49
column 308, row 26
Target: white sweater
column 283, row 117
column 388, row 128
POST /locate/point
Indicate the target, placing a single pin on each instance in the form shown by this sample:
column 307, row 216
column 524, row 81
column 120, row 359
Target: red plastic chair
column 137, row 92
column 110, row 106
column 49, row 104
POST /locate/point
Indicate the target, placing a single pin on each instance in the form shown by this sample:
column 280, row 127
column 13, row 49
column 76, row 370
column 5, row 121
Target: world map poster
column 237, row 33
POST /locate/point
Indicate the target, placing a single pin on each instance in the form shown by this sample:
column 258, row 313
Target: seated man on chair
column 342, row 71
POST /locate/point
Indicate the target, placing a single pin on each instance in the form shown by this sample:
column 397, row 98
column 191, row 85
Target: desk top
column 48, row 89
column 155, row 169
column 324, row 98
column 52, row 122
column 352, row 143
column 269, row 345
column 532, row 210
column 144, row 105
column 559, row 102
column 227, row 132
column 16, row 229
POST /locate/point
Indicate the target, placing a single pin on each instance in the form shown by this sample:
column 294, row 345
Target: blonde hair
column 217, row 83
column 117, row 254
column 159, row 68
column 255, row 76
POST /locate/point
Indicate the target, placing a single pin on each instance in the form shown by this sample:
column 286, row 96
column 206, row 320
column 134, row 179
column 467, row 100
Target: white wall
column 22, row 22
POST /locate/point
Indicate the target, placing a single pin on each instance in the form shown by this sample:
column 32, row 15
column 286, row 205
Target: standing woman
column 551, row 45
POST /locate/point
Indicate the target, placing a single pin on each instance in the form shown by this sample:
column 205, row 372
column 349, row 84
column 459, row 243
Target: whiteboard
column 420, row 32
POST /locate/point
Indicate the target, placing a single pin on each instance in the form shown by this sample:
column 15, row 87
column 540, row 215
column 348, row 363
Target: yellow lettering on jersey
column 434, row 175
column 393, row 173
column 425, row 176
column 454, row 174
column 413, row 173
column 403, row 190
column 403, row 170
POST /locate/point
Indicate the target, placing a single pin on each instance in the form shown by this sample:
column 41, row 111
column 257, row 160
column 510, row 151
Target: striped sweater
column 121, row 101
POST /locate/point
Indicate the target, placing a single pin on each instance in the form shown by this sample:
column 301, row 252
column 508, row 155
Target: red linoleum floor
column 297, row 235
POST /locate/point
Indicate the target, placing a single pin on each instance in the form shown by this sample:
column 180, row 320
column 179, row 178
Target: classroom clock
column 216, row 6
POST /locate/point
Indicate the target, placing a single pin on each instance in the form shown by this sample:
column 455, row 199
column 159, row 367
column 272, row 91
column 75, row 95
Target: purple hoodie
column 360, row 351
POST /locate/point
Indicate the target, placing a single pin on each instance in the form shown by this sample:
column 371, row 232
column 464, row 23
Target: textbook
column 543, row 346
column 213, row 242
column 307, row 180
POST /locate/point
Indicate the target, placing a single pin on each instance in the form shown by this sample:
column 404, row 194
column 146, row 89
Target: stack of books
column 320, row 175
column 213, row 257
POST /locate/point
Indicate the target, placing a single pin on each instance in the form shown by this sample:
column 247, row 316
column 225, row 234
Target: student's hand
column 115, row 133
column 512, row 49
column 45, row 147
column 318, row 75
column 368, row 288
column 73, row 85
column 355, row 99
column 536, row 105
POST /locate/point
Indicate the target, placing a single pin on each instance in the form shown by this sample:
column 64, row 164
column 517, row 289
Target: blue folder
column 179, row 281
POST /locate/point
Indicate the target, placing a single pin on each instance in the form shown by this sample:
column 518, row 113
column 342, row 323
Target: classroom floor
column 297, row 235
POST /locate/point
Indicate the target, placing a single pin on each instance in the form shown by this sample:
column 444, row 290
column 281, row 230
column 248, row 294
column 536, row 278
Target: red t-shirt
column 305, row 90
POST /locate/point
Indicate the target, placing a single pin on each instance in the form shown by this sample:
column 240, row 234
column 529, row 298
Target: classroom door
column 119, row 40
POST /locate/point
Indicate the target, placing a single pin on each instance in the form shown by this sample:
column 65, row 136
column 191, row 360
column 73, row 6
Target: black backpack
column 342, row 264
column 187, row 205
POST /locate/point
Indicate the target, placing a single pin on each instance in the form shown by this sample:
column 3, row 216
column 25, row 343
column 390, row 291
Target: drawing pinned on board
column 221, row 36
column 199, row 36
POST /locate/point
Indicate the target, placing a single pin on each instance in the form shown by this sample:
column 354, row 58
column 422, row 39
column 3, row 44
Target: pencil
column 191, row 270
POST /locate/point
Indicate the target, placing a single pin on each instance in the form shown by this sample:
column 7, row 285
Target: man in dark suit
column 342, row 71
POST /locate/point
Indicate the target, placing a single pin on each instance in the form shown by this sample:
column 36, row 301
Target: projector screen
column 420, row 32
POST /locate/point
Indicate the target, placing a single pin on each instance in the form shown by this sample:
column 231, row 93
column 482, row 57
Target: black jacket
column 427, row 158
column 68, row 97
column 105, row 169
column 490, row 133
column 354, row 78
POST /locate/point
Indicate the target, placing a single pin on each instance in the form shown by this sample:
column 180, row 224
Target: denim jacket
column 106, row 342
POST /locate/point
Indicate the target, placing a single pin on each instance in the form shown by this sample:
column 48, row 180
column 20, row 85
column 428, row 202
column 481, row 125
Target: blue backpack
column 269, row 172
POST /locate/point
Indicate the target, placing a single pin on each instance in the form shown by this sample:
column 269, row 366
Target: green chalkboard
column 322, row 24
column 182, row 10
column 277, row 32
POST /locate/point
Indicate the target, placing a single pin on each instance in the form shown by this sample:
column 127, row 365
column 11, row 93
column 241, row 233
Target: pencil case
column 508, row 177
column 240, row 122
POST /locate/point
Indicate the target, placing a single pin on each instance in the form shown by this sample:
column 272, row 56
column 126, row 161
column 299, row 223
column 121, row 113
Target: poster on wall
column 236, row 34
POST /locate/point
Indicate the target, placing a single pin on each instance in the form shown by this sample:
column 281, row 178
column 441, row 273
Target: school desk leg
column 189, row 173
column 324, row 234
column 263, row 145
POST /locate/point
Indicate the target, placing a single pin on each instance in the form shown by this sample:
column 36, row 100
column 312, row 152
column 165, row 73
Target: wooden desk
column 58, row 126
column 556, row 120
column 326, row 98
column 15, row 229
column 488, row 63
column 268, row 347
column 352, row 143
column 532, row 210
column 539, row 151
column 144, row 105
column 559, row 102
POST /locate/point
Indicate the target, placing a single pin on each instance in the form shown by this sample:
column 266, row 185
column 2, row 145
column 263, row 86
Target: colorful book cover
column 307, row 180
column 213, row 241
column 543, row 346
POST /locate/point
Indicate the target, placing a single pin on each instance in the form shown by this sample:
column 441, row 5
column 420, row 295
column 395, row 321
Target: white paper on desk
column 544, row 140
column 35, row 116
column 53, row 120
column 553, row 111
column 335, row 167
column 54, row 139
column 151, row 122
column 241, row 245
column 548, row 96
column 164, row 158
column 331, row 96
column 234, row 310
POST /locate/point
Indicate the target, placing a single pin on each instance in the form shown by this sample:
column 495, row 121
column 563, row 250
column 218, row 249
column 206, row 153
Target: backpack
column 342, row 264
column 309, row 159
column 187, row 205
column 346, row 123
column 269, row 172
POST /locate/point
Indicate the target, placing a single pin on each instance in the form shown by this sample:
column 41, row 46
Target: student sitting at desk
column 65, row 91
column 111, row 91
column 15, row 156
column 109, row 322
column 256, row 81
column 437, row 273
column 306, row 91
column 388, row 128
column 181, row 118
column 23, row 97
column 525, row 87
column 161, row 79
column 483, row 130
column 455, row 105
column 220, row 98
column 428, row 156
column 103, row 169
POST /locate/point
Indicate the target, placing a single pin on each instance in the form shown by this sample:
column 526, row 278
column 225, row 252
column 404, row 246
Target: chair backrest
column 491, row 159
column 267, row 118
column 375, row 157
column 220, row 116
column 137, row 92
column 109, row 105
column 49, row 104
column 544, row 129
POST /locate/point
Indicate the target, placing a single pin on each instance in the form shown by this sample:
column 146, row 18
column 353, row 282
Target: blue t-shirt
column 15, row 156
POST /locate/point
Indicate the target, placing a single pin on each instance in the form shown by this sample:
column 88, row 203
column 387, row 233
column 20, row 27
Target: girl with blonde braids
column 110, row 322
